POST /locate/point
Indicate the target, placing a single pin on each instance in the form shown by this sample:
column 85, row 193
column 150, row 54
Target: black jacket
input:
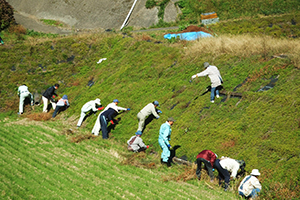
column 49, row 92
column 109, row 114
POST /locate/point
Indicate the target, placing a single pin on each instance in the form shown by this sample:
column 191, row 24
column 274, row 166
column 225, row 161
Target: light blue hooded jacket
column 165, row 133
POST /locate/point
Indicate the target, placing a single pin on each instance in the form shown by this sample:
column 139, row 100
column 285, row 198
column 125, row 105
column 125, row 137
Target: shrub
column 6, row 15
column 150, row 4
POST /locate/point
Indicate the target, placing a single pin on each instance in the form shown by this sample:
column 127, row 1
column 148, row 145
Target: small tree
column 6, row 15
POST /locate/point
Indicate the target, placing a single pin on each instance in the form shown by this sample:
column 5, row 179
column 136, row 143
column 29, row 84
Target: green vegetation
column 39, row 162
column 52, row 22
column 261, row 127
column 234, row 9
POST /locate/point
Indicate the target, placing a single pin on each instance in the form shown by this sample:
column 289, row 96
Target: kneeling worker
column 250, row 186
column 136, row 144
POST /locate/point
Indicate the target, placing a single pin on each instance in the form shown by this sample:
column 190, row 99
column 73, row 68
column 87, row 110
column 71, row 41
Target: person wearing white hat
column 113, row 105
column 149, row 109
column 23, row 93
column 87, row 107
column 250, row 185
column 215, row 77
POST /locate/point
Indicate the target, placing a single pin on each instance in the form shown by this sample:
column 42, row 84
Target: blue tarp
column 188, row 35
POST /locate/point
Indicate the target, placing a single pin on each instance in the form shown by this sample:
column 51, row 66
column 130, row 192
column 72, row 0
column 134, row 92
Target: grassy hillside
column 262, row 127
column 39, row 162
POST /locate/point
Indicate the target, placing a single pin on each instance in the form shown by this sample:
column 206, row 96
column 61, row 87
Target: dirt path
column 31, row 23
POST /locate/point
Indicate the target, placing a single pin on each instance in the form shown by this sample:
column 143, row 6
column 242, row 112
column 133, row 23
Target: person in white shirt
column 87, row 107
column 136, row 144
column 250, row 185
column 61, row 105
column 215, row 77
column 145, row 112
column 23, row 93
column 113, row 105
column 225, row 166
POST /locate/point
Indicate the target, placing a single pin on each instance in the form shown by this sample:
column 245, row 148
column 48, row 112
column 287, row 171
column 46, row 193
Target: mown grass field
column 261, row 127
column 38, row 161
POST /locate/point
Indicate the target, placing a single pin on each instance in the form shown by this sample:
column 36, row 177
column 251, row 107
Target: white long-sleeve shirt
column 137, row 143
column 22, row 88
column 247, row 187
column 113, row 106
column 91, row 105
column 231, row 165
column 213, row 73
column 148, row 110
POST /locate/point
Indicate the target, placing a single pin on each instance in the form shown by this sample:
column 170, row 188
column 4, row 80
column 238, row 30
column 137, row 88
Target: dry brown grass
column 18, row 29
column 79, row 138
column 39, row 116
column 245, row 46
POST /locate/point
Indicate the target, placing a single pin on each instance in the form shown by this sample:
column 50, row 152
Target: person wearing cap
column 61, row 105
column 136, row 144
column 105, row 117
column 50, row 94
column 215, row 77
column 93, row 106
column 145, row 112
column 163, row 140
column 250, row 185
column 23, row 93
column 113, row 105
column 225, row 166
column 208, row 158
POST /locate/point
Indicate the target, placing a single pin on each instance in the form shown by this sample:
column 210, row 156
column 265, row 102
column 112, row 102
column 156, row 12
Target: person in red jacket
column 208, row 158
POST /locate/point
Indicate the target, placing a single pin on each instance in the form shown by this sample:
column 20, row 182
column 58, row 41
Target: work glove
column 100, row 108
column 169, row 146
column 194, row 76
column 112, row 122
column 147, row 146
column 128, row 108
column 159, row 111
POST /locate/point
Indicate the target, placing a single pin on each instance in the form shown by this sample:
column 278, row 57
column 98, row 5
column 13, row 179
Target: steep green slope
column 39, row 162
column 262, row 127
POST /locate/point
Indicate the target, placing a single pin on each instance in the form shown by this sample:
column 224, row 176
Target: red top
column 208, row 155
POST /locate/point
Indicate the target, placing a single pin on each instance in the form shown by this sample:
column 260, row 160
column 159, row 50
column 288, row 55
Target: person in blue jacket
column 105, row 117
column 163, row 140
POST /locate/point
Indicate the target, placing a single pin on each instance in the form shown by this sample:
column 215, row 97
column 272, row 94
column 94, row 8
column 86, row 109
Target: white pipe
column 128, row 15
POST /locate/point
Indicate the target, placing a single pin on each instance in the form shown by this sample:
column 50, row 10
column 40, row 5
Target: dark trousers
column 223, row 173
column 207, row 165
column 57, row 109
column 103, row 124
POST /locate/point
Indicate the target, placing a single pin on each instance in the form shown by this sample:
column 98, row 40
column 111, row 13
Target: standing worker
column 89, row 106
column 215, row 77
column 224, row 166
column 145, row 112
column 23, row 93
column 250, row 186
column 163, row 140
column 105, row 117
column 49, row 94
column 208, row 158
column 136, row 144
column 62, row 104
column 113, row 105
